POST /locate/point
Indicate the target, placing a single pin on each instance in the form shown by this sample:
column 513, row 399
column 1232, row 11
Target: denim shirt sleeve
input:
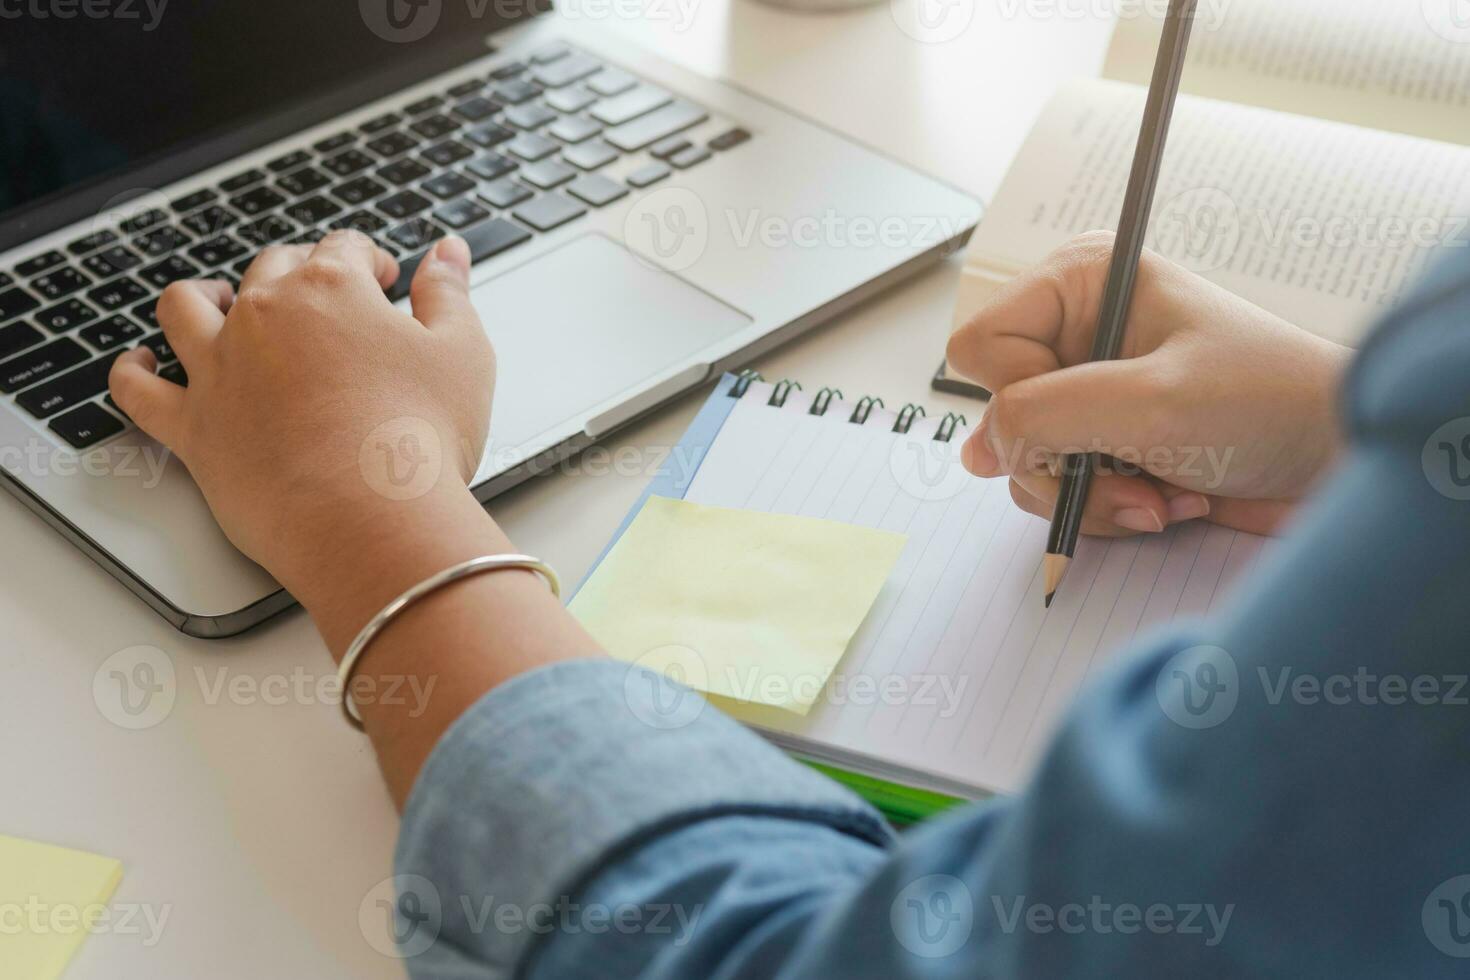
column 1280, row 791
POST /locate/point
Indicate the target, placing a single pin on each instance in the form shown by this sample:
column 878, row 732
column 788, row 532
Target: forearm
column 449, row 648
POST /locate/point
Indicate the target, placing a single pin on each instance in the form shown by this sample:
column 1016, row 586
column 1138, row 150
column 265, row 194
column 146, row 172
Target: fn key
column 86, row 426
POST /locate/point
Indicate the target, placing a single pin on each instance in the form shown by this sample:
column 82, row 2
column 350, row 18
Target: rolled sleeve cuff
column 546, row 779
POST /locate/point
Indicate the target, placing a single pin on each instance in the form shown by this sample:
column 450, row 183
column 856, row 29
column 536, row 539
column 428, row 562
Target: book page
column 1324, row 224
column 959, row 673
column 1397, row 65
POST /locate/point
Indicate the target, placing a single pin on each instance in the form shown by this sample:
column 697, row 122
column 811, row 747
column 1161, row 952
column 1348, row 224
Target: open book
column 1317, row 162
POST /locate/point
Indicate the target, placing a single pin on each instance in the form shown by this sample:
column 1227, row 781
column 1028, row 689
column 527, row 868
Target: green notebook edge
column 902, row 805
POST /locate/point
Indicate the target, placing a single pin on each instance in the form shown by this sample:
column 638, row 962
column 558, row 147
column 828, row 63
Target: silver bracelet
column 485, row 563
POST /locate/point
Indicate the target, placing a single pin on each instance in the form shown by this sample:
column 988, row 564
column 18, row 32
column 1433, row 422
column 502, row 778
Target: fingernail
column 1139, row 519
column 1187, row 507
column 452, row 249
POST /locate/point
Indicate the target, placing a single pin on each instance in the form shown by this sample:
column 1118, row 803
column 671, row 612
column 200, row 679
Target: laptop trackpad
column 583, row 324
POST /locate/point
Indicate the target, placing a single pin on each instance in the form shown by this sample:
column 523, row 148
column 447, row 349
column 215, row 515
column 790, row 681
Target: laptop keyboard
column 495, row 159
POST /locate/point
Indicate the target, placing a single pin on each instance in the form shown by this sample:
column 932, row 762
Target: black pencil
column 1077, row 468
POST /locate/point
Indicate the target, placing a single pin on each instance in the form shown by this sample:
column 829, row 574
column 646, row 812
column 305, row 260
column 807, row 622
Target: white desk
column 259, row 829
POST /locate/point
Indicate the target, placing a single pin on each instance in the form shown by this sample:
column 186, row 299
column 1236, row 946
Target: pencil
column 1143, row 179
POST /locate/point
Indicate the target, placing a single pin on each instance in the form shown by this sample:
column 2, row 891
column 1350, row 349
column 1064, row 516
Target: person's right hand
column 1222, row 409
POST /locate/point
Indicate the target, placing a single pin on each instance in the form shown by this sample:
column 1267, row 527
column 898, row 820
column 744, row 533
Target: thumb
column 441, row 286
column 1110, row 407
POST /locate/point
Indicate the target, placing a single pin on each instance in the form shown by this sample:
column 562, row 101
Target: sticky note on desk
column 741, row 604
column 59, row 895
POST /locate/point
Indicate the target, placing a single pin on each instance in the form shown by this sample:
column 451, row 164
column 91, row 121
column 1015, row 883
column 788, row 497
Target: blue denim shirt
column 1281, row 791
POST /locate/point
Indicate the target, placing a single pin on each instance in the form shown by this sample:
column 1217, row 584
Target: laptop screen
column 92, row 88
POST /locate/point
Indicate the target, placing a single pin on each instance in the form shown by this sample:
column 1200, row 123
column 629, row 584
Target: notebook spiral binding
column 907, row 416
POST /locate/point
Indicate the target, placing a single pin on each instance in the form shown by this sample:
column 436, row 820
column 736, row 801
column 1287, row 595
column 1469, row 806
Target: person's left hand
column 293, row 380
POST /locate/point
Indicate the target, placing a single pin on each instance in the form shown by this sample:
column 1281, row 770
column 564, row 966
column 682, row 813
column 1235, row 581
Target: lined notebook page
column 958, row 672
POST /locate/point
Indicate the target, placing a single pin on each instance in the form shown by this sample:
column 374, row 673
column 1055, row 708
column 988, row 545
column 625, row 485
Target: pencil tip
column 1049, row 597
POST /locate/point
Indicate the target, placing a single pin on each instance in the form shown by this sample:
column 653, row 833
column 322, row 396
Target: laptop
column 637, row 229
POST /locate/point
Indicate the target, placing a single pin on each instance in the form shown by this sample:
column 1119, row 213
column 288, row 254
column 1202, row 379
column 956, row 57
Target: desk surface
column 255, row 821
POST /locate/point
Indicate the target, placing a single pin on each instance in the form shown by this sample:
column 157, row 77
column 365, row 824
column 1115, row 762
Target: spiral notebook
column 959, row 673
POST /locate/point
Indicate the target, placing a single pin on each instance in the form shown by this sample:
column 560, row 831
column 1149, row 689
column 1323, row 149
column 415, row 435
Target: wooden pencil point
column 1055, row 567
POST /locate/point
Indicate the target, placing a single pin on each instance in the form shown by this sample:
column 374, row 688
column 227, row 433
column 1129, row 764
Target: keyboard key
column 334, row 143
column 464, row 88
column 426, row 104
column 194, row 201
column 146, row 313
column 477, row 109
column 666, row 148
column 359, row 190
column 142, row 222
column 516, row 91
column 392, row 144
column 508, row 70
column 573, row 99
column 655, row 126
column 38, row 264
column 685, row 159
column 729, row 138
column 258, row 201
column 40, row 363
column 175, row 372
column 647, row 174
column 631, row 104
column 489, row 135
column 211, row 221
column 532, row 115
column 433, row 127
column 6, row 280
column 308, row 237
column 547, row 174
column 404, row 171
column 597, row 189
column 403, row 204
column 312, row 211
column 348, row 163
column 290, row 161
column 416, row 234
column 307, row 180
column 66, row 315
column 61, row 282
column 532, row 146
column 87, row 426
column 91, row 243
column 565, row 71
column 171, row 269
column 504, row 193
column 241, row 181
column 491, row 166
column 117, row 294
column 610, row 81
column 380, row 123
column 68, row 390
column 589, row 155
column 407, row 266
column 158, row 343
column 548, row 211
column 448, row 185
column 113, row 332
column 110, row 261
column 446, row 153
column 17, row 337
column 550, row 53
column 161, row 241
column 574, row 129
column 217, row 251
column 266, row 231
column 461, row 214
column 364, row 221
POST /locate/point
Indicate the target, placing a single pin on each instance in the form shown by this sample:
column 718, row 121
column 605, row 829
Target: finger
column 1123, row 503
column 1093, row 526
column 191, row 313
column 154, row 404
column 359, row 253
column 1254, row 516
column 441, row 287
column 272, row 264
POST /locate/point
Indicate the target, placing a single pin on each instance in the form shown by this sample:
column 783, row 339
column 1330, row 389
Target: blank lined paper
column 958, row 672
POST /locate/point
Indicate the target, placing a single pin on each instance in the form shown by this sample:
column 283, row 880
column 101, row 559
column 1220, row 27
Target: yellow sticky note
column 746, row 605
column 56, row 896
